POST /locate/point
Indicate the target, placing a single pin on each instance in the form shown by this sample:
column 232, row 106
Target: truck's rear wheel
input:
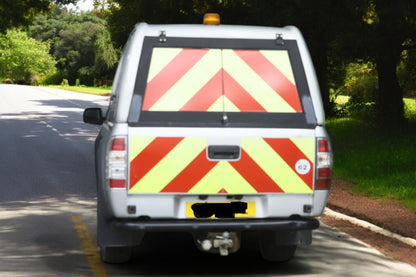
column 115, row 254
column 277, row 247
column 280, row 253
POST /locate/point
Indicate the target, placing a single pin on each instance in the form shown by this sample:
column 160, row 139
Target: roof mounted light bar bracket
column 162, row 37
column 279, row 39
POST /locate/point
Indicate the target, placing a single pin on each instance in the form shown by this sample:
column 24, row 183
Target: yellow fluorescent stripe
column 280, row 59
column 170, row 166
column 307, row 146
column 211, row 182
column 229, row 106
column 137, row 145
column 253, row 84
column 161, row 57
column 180, row 93
column 218, row 105
column 234, row 182
column 274, row 165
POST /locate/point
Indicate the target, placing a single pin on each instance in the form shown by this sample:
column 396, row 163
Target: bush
column 361, row 82
column 65, row 83
column 7, row 81
column 86, row 76
column 365, row 111
column 54, row 79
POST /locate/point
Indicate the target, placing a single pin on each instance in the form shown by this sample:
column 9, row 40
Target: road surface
column 47, row 208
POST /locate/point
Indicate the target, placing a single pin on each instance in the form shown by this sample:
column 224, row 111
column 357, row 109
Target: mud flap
column 281, row 246
column 115, row 243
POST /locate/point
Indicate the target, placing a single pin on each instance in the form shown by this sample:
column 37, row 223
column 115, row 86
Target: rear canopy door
column 198, row 83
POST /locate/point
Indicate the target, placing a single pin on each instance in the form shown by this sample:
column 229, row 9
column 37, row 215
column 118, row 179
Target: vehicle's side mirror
column 93, row 116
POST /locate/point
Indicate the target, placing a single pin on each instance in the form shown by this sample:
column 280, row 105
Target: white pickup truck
column 213, row 130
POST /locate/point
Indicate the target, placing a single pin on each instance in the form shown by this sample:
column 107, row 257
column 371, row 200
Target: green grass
column 84, row 89
column 381, row 162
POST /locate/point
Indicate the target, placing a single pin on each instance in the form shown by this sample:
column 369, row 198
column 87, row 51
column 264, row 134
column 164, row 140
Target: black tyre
column 276, row 253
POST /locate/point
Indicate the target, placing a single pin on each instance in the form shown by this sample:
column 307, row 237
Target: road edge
column 374, row 228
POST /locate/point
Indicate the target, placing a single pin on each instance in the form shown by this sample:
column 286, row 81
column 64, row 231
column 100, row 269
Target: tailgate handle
column 224, row 152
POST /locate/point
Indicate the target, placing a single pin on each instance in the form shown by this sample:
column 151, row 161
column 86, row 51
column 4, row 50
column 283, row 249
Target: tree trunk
column 321, row 70
column 390, row 99
column 391, row 31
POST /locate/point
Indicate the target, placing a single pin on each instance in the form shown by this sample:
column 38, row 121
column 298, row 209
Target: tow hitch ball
column 222, row 243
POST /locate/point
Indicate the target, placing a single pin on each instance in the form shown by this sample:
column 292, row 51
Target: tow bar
column 222, row 243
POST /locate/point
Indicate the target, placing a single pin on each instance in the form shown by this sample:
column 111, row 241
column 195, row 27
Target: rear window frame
column 137, row 117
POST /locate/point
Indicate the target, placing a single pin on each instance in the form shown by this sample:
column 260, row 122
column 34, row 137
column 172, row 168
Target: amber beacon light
column 211, row 19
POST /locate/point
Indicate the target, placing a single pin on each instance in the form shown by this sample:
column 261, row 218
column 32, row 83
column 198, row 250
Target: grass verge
column 83, row 89
column 381, row 162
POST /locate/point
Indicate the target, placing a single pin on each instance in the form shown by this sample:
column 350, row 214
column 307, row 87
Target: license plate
column 249, row 212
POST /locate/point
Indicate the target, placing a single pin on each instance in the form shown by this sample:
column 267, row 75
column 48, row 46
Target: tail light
column 117, row 163
column 324, row 165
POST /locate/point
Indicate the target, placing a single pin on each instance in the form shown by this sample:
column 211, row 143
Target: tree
column 23, row 58
column 337, row 32
column 20, row 13
column 321, row 21
column 80, row 43
column 393, row 24
column 382, row 30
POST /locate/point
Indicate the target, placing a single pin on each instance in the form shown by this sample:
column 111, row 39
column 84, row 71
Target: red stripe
column 171, row 74
column 239, row 96
column 289, row 152
column 150, row 157
column 191, row 175
column 254, row 174
column 223, row 191
column 272, row 76
column 206, row 96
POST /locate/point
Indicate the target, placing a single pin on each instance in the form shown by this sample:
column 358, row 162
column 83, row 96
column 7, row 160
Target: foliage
column 50, row 79
column 337, row 33
column 410, row 109
column 384, row 36
column 20, row 13
column 24, row 59
column 64, row 83
column 80, row 43
column 361, row 82
column 406, row 71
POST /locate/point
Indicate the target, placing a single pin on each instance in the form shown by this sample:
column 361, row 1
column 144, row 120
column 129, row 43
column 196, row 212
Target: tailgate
column 219, row 161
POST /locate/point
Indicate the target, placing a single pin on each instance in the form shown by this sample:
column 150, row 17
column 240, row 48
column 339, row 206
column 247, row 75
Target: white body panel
column 173, row 205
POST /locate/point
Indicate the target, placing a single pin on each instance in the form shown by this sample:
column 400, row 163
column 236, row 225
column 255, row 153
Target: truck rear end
column 213, row 130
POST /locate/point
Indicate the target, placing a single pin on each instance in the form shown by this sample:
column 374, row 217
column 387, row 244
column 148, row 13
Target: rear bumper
column 218, row 225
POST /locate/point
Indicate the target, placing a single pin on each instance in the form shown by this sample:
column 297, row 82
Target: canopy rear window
column 195, row 82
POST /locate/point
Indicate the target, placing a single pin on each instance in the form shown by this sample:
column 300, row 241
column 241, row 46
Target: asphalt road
column 47, row 208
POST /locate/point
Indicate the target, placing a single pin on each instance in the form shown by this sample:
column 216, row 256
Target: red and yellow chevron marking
column 180, row 165
column 215, row 80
